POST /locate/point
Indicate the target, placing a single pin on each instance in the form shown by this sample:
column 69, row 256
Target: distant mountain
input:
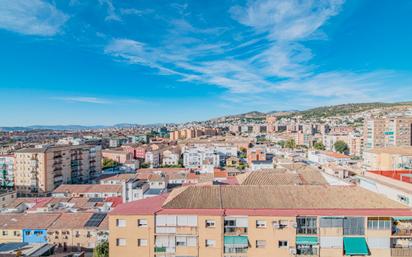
column 346, row 109
column 318, row 112
column 51, row 127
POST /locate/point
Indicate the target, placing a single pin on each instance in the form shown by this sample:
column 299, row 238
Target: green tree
column 108, row 163
column 144, row 165
column 101, row 250
column 319, row 146
column 341, row 146
column 290, row 144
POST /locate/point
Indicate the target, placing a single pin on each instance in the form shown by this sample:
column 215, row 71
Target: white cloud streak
column 31, row 17
column 268, row 57
column 83, row 99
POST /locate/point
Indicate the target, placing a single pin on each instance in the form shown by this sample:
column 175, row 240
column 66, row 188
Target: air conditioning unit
column 292, row 251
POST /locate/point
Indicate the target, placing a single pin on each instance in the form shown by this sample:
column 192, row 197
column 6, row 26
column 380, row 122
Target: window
column 120, row 223
column 379, row 223
column 141, row 242
column 5, row 233
column 142, row 223
column 210, row 243
column 16, row 233
column 260, row 224
column 307, row 225
column 27, row 233
column 354, row 226
column 210, row 224
column 260, row 243
column 120, row 242
column 186, row 241
column 282, row 244
column 331, row 222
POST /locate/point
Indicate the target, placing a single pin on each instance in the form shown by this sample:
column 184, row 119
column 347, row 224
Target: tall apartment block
column 40, row 170
column 385, row 132
column 6, row 171
column 262, row 221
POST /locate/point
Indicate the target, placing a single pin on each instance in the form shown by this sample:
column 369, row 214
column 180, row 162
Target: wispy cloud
column 263, row 53
column 286, row 20
column 111, row 11
column 263, row 60
column 83, row 99
column 31, row 17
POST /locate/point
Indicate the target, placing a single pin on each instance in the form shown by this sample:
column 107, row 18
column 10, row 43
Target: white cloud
column 31, row 17
column 83, row 99
column 286, row 19
column 111, row 11
column 265, row 63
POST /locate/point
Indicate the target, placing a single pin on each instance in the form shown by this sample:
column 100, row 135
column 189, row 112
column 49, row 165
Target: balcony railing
column 401, row 252
column 402, row 232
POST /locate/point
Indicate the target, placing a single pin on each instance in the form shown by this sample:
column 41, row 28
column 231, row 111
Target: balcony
column 401, row 252
column 235, row 231
column 186, row 230
column 402, row 227
column 166, row 230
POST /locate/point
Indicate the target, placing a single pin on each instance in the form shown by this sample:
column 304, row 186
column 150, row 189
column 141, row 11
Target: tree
column 101, row 250
column 109, row 163
column 319, row 146
column 341, row 146
column 144, row 165
column 290, row 144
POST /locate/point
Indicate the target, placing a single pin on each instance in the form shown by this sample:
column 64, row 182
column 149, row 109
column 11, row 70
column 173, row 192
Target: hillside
column 346, row 109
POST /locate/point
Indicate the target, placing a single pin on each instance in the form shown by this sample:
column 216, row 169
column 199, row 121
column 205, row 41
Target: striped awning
column 237, row 241
column 307, row 240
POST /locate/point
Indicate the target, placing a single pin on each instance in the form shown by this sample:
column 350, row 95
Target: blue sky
column 110, row 61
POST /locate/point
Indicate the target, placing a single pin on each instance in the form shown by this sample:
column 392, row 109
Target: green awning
column 355, row 246
column 241, row 241
column 307, row 240
column 402, row 218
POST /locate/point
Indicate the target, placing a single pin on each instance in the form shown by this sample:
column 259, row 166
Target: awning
column 355, row 246
column 307, row 240
column 402, row 218
column 237, row 241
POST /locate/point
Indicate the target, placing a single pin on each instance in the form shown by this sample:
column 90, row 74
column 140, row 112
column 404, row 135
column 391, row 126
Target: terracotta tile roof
column 271, row 178
column 29, row 220
column 88, row 188
column 278, row 197
column 121, row 177
column 146, row 206
column 336, row 155
column 220, row 174
column 71, row 220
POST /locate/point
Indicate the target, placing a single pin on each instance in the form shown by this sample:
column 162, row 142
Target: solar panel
column 96, row 200
column 95, row 220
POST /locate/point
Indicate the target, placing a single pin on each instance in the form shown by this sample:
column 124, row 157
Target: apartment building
column 40, row 170
column 78, row 230
column 198, row 157
column 7, row 171
column 390, row 131
column 262, row 221
column 170, row 157
column 388, row 158
column 189, row 133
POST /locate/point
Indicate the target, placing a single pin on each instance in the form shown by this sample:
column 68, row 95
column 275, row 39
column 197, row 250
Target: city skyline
column 107, row 62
